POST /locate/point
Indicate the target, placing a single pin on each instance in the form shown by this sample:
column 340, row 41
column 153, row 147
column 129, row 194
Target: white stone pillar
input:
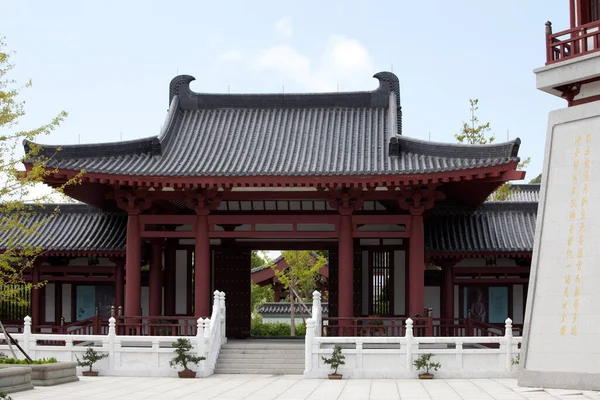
column 508, row 336
column 317, row 312
column 308, row 343
column 409, row 343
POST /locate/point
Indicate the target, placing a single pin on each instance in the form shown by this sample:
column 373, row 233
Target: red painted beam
column 167, row 219
column 273, row 235
column 382, row 219
column 380, row 235
column 273, row 219
column 166, row 234
column 341, row 181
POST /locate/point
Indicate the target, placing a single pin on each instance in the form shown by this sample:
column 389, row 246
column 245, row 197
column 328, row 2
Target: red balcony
column 572, row 43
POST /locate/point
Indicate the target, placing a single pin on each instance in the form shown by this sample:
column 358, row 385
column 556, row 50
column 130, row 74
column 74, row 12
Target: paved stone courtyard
column 292, row 387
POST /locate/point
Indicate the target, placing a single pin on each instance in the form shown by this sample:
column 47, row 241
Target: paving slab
column 294, row 387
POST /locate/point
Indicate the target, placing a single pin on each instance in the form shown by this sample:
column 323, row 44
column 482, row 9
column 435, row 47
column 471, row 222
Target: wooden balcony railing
column 422, row 327
column 571, row 43
column 128, row 326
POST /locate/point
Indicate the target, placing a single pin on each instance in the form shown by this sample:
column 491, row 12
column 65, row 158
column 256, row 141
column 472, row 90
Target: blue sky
column 109, row 63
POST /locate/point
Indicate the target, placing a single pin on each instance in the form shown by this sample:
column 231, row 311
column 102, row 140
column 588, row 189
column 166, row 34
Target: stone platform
column 292, row 387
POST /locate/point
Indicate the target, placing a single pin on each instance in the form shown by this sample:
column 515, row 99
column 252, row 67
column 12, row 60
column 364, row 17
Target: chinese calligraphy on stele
column 576, row 238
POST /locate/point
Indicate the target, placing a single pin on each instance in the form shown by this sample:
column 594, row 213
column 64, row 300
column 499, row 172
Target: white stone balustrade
column 131, row 355
column 393, row 357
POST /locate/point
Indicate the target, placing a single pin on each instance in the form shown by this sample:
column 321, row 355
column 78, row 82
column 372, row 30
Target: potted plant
column 424, row 362
column 182, row 347
column 335, row 361
column 88, row 359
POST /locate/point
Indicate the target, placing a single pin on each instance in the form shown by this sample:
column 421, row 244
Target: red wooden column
column 119, row 285
column 58, row 300
column 155, row 279
column 416, row 264
column 170, row 269
column 202, row 266
column 448, row 291
column 132, row 267
column 345, row 267
column 36, row 295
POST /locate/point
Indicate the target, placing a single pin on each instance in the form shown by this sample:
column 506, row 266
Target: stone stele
column 562, row 320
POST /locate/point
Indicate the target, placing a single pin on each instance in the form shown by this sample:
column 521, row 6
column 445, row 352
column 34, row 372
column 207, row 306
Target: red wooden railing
column 157, row 326
column 422, row 326
column 98, row 325
column 571, row 43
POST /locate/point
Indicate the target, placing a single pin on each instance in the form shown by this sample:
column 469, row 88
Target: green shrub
column 182, row 357
column 15, row 361
column 277, row 329
column 336, row 359
column 89, row 358
column 301, row 329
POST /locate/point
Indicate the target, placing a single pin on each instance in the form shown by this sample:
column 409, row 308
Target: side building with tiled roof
column 169, row 219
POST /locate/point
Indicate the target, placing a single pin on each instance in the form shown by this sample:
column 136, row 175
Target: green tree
column 300, row 277
column 258, row 259
column 259, row 296
column 473, row 132
column 18, row 200
column 537, row 179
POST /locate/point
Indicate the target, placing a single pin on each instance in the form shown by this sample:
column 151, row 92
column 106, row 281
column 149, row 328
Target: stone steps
column 261, row 357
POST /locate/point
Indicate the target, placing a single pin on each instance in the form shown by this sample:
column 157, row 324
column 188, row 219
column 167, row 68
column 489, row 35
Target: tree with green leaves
column 474, row 132
column 537, row 179
column 18, row 198
column 301, row 276
column 259, row 294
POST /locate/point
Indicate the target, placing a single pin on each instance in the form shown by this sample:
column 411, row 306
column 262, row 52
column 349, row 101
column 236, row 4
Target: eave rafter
column 497, row 173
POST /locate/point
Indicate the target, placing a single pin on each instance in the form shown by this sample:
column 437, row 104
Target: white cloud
column 283, row 26
column 344, row 64
column 285, row 61
column 230, row 56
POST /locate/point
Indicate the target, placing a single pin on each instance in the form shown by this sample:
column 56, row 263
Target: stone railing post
column 27, row 334
column 200, row 336
column 200, row 344
column 112, row 334
column 216, row 305
column 459, row 354
column 223, row 314
column 508, row 337
column 308, row 343
column 317, row 312
column 409, row 344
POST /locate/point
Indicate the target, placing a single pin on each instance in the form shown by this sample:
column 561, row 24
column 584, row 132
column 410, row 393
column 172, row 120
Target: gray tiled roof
column 284, row 309
column 75, row 228
column 266, row 266
column 493, row 227
column 327, row 134
column 522, row 193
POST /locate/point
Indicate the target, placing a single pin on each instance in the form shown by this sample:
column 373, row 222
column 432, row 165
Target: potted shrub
column 335, row 361
column 88, row 359
column 182, row 347
column 424, row 362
